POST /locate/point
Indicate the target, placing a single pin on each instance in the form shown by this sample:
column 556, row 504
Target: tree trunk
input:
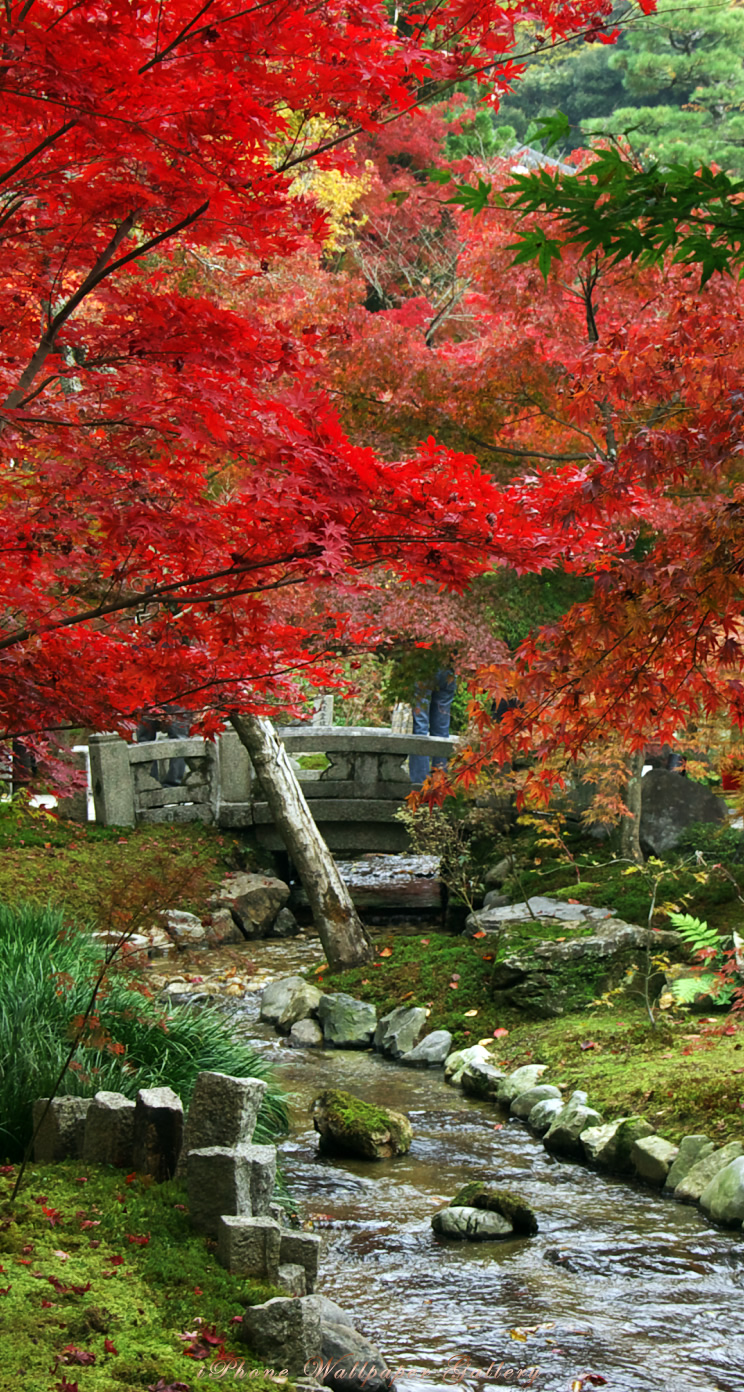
column 344, row 938
column 630, row 834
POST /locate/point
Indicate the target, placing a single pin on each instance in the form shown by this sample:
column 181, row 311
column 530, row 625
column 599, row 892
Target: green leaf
column 473, row 200
column 438, row 176
column 551, row 129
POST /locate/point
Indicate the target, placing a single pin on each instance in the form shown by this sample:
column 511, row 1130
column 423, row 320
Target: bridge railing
column 361, row 788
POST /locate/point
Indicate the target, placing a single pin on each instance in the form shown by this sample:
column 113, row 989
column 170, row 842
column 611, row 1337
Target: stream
column 620, row 1283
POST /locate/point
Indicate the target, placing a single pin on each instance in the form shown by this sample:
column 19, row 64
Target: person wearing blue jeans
column 431, row 716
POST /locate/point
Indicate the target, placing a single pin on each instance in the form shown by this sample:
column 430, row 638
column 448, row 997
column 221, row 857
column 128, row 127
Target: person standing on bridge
column 432, row 710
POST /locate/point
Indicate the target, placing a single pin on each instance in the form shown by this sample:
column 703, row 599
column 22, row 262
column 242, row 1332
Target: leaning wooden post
column 344, row 938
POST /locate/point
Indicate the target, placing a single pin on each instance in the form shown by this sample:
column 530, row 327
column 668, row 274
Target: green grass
column 684, row 1076
column 46, row 973
column 70, row 1276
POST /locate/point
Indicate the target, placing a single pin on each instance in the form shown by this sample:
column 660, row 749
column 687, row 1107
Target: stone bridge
column 353, row 799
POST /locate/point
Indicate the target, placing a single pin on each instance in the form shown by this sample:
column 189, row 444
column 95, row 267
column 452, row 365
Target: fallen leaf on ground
column 468, row 1013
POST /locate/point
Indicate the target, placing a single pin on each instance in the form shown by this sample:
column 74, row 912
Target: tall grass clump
column 47, row 972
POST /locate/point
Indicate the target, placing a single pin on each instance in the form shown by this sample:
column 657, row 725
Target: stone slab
column 62, row 1132
column 249, row 1246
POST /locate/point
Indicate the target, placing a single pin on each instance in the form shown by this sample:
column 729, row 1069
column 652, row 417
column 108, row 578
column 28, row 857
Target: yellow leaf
column 519, row 1335
column 632, row 870
column 468, row 1013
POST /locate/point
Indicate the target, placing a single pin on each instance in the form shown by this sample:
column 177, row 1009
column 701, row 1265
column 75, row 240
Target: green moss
column 76, row 1277
column 88, row 868
column 680, row 1084
column 357, row 1125
column 503, row 1201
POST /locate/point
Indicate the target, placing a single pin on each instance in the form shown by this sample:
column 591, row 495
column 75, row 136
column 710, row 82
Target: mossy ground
column 685, row 1074
column 101, row 1276
column 86, row 868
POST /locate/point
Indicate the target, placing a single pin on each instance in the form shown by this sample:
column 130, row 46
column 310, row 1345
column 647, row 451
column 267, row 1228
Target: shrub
column 131, row 1041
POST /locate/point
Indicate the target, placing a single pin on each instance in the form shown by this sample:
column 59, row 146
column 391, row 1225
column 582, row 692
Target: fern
column 696, row 934
column 688, row 989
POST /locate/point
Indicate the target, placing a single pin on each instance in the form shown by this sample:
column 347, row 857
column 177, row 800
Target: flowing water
column 619, row 1282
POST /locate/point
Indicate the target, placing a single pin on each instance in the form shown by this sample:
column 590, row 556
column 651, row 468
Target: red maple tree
column 170, row 474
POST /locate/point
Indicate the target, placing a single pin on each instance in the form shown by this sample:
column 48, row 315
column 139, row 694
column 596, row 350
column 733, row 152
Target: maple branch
column 437, row 90
column 44, row 145
column 99, row 272
column 178, row 39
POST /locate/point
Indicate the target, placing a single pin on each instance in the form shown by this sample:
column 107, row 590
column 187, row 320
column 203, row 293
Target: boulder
column 283, row 1333
column 398, row 1032
column 691, row 1149
column 223, row 1111
column 564, row 1136
column 285, row 925
column 351, row 1363
column 652, row 1158
column 222, row 929
column 277, row 996
column 455, row 1063
column 109, row 1131
column 698, row 1178
column 433, row 1049
column 254, row 899
column 331, row 1313
column 185, row 929
column 723, row 1198
column 546, row 978
column 525, row 1101
column 543, row 1115
column 347, row 1023
column 491, row 920
column 349, row 1126
column 492, row 1200
column 670, row 804
column 597, row 1142
column 61, row 1135
column 619, row 1150
column 479, row 1079
column 301, row 1005
column 521, row 1080
column 499, row 872
column 306, row 1034
column 495, row 900
column 470, row 1224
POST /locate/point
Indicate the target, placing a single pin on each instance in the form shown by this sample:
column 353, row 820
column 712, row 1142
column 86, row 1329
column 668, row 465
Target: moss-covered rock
column 350, row 1126
column 510, row 1206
